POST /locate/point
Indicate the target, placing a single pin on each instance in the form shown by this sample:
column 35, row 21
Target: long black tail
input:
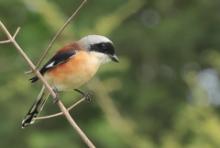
column 35, row 108
column 34, row 79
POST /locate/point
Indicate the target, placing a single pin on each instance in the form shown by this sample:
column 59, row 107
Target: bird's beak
column 115, row 58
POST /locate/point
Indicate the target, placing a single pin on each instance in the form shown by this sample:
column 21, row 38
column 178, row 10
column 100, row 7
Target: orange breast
column 74, row 73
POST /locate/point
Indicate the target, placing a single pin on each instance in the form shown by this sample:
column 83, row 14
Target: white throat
column 101, row 58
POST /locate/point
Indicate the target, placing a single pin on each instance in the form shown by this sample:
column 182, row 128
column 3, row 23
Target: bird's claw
column 55, row 100
column 88, row 97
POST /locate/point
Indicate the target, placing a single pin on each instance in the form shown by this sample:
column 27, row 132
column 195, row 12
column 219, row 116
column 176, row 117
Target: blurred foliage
column 164, row 93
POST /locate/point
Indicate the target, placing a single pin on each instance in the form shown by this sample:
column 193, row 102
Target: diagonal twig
column 14, row 36
column 72, row 122
column 61, row 113
column 57, row 35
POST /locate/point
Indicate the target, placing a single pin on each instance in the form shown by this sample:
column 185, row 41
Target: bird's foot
column 56, row 99
column 88, row 95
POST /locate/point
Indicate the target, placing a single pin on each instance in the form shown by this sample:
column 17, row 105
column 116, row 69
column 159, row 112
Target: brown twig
column 57, row 35
column 61, row 113
column 45, row 83
column 14, row 36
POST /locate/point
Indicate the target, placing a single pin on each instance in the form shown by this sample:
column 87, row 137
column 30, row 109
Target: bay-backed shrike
column 71, row 67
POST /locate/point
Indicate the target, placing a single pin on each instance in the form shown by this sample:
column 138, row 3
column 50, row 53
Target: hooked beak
column 114, row 58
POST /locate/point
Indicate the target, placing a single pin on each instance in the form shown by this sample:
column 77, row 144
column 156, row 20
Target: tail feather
column 35, row 109
column 34, row 79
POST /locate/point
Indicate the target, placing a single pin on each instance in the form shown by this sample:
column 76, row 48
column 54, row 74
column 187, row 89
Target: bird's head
column 99, row 46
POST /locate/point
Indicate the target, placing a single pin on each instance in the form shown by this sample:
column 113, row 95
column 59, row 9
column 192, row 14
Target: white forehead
column 93, row 39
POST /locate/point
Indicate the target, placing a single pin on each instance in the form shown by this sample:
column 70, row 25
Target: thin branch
column 14, row 36
column 61, row 113
column 5, row 41
column 57, row 35
column 16, row 32
column 59, row 103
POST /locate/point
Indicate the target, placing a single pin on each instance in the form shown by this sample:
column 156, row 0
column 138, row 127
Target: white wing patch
column 50, row 65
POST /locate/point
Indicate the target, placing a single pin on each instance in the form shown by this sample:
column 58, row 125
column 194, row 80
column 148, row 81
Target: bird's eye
column 106, row 48
column 103, row 46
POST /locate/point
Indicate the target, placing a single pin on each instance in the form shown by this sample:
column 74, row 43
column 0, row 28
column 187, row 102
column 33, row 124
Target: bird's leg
column 87, row 95
column 55, row 100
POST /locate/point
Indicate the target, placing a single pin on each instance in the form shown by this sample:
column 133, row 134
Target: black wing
column 59, row 58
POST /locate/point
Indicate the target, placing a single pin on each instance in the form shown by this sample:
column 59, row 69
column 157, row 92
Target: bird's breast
column 74, row 73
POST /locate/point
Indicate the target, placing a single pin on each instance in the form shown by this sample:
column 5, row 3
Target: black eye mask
column 106, row 48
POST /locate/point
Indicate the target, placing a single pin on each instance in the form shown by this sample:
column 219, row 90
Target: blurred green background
column 164, row 93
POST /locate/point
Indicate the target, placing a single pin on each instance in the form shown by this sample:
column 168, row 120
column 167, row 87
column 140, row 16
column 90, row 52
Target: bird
column 71, row 67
